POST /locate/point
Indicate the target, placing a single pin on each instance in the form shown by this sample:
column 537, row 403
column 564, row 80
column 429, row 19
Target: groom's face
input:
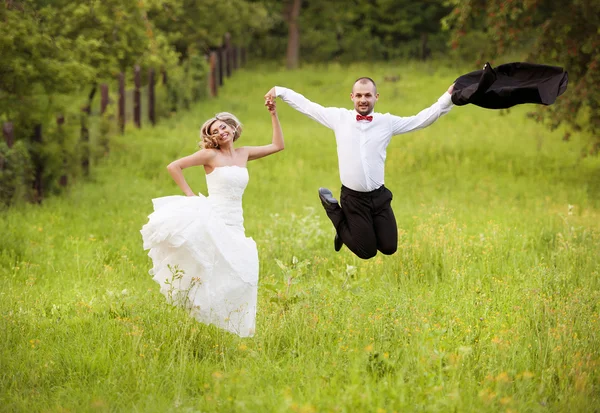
column 364, row 96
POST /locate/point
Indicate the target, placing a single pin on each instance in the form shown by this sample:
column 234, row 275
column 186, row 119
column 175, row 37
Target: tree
column 293, row 46
column 348, row 30
column 561, row 32
column 400, row 22
column 193, row 25
column 56, row 51
column 35, row 61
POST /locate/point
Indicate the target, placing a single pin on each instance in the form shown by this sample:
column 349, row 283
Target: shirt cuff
column 445, row 100
column 279, row 91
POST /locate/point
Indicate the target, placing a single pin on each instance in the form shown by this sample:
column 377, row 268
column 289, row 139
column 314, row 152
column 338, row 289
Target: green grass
column 490, row 304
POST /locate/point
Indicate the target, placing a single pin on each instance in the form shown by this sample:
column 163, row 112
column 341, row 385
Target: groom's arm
column 325, row 116
column 425, row 117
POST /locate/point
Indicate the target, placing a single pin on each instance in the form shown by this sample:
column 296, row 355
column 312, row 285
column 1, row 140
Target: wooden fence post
column 38, row 184
column 122, row 101
column 63, row 180
column 171, row 102
column 227, row 45
column 137, row 104
column 221, row 64
column 236, row 51
column 9, row 133
column 103, row 98
column 85, row 142
column 212, row 78
column 151, row 100
column 9, row 137
column 85, row 132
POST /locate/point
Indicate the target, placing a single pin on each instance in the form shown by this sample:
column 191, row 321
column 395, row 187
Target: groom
column 366, row 223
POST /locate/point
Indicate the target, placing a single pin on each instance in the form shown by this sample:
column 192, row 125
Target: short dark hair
column 363, row 80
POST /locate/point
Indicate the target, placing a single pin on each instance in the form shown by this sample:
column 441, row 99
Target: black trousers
column 365, row 221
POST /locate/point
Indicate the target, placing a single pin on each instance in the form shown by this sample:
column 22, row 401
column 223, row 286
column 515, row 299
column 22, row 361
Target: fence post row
column 221, row 65
column 9, row 133
column 9, row 136
column 63, row 180
column 38, row 185
column 122, row 101
column 103, row 98
column 222, row 62
column 212, row 61
column 85, row 133
column 227, row 45
column 137, row 106
column 151, row 109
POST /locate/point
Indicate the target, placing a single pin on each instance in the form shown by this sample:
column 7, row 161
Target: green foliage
column 59, row 154
column 490, row 303
column 474, row 46
column 196, row 69
column 121, row 32
column 358, row 30
column 187, row 83
column 54, row 53
column 16, row 173
column 35, row 59
column 398, row 22
column 190, row 25
column 56, row 158
column 551, row 32
column 106, row 129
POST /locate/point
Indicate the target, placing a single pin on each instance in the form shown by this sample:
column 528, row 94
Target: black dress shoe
column 337, row 243
column 327, row 197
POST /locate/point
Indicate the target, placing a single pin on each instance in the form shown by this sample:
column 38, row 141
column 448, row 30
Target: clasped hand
column 270, row 101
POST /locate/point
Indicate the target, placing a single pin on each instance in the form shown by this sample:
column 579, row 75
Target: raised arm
column 175, row 168
column 425, row 117
column 325, row 116
column 277, row 144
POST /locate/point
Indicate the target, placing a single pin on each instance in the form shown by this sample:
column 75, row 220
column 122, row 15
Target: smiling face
column 221, row 130
column 364, row 95
column 222, row 133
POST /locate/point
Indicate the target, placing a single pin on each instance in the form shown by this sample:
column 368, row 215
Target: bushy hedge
column 16, row 173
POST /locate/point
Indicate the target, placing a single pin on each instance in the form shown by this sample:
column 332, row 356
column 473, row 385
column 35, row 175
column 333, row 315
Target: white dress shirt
column 361, row 145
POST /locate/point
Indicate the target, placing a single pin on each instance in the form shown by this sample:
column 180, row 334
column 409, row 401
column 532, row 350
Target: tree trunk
column 122, row 102
column 85, row 132
column 151, row 101
column 38, row 164
column 137, row 96
column 293, row 47
column 425, row 51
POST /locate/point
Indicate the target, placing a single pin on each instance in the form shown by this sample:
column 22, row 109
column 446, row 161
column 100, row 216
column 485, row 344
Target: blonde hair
column 208, row 140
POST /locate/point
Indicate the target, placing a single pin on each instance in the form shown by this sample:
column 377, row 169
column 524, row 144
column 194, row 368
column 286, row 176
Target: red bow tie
column 368, row 118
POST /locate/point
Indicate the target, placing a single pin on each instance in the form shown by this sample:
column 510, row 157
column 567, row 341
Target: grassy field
column 492, row 302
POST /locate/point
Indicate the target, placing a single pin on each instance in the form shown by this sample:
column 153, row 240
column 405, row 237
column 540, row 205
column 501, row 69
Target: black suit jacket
column 510, row 84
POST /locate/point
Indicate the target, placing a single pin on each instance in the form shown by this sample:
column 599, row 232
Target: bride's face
column 222, row 132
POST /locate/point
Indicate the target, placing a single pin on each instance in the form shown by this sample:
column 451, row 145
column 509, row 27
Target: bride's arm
column 175, row 168
column 277, row 144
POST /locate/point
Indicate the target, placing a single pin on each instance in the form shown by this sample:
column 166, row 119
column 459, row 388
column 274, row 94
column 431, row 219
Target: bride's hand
column 271, row 95
column 271, row 106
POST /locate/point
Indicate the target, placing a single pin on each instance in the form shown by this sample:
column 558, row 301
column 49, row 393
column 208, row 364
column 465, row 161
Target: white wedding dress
column 201, row 256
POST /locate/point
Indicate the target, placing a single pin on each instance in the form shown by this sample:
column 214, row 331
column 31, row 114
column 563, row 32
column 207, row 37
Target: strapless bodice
column 226, row 185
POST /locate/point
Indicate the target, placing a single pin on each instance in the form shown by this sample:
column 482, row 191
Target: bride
column 201, row 257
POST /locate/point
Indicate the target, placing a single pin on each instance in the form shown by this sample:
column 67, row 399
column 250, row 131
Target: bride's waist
column 227, row 210
column 226, row 199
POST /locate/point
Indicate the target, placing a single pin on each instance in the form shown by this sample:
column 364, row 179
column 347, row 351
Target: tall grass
column 490, row 303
